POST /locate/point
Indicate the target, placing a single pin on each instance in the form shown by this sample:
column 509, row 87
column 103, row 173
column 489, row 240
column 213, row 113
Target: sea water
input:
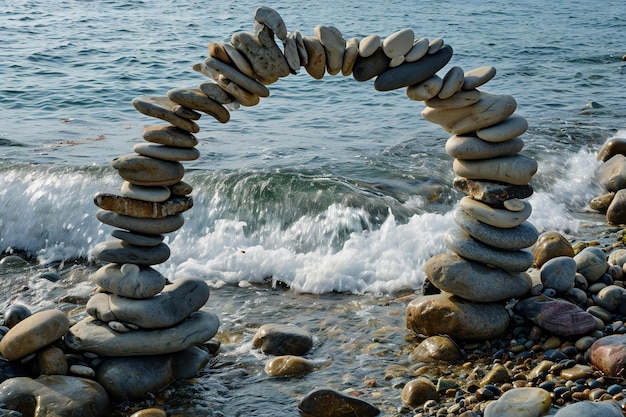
column 324, row 200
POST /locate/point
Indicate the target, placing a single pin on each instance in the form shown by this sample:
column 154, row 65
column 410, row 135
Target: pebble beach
column 502, row 316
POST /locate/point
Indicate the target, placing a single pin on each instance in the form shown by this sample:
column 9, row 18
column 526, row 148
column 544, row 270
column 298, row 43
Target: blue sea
column 328, row 191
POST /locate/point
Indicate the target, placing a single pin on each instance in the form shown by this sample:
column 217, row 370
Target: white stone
column 516, row 169
column 520, row 402
column 478, row 76
column 419, row 49
column 369, row 45
column 425, row 90
column 502, row 218
column 145, row 193
column 399, row 43
column 435, row 45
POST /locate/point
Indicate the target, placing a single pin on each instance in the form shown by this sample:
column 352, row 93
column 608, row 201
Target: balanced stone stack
column 492, row 233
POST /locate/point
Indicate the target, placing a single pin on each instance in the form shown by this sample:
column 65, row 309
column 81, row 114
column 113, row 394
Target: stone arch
column 492, row 231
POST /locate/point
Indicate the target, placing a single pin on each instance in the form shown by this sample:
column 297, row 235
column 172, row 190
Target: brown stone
column 163, row 108
column 491, row 192
column 138, row 208
column 316, row 57
column 616, row 212
column 550, row 245
column 330, row 403
column 612, row 147
column 197, row 100
column 169, row 135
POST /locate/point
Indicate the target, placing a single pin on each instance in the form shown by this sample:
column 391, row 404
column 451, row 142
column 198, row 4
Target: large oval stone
column 436, row 349
column 559, row 273
column 591, row 262
column 588, row 408
column 366, row 68
column 288, row 365
column 329, row 403
column 475, row 281
column 316, row 63
column 461, row 243
column 169, row 135
column 438, row 314
column 517, row 169
column 556, row 316
column 144, row 170
column 176, row 302
column 55, row 395
column 608, row 354
column 506, row 130
column 520, row 402
column 413, row 72
column 92, row 335
column 334, row 45
column 33, row 333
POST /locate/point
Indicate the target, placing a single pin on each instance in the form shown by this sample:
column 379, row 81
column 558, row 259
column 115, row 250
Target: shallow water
column 326, row 187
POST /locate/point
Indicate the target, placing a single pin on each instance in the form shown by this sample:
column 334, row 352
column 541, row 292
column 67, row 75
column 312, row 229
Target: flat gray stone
column 516, row 169
column 475, row 281
column 196, row 99
column 491, row 192
column 92, row 335
column 368, row 45
column 141, row 225
column 129, row 280
column 163, row 108
column 215, row 92
column 461, row 243
column 413, row 72
column 509, row 128
column 119, row 251
column 520, row 237
column 176, row 302
column 137, row 239
column 166, row 153
column 144, row 170
column 471, row 147
column 418, row 50
column 236, row 76
column 169, row 135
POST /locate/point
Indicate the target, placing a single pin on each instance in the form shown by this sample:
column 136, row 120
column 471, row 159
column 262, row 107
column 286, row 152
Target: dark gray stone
column 120, row 252
column 515, row 238
column 367, row 68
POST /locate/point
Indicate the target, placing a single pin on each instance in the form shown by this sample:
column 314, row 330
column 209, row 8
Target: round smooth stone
column 435, row 45
column 181, row 188
column 519, row 237
column 504, row 219
column 140, row 192
column 559, row 274
column 334, row 45
column 592, row 263
column 396, row 61
column 444, row 313
column 514, row 204
column 452, row 82
column 137, row 239
column 610, row 297
column 417, row 391
column 167, row 153
column 426, row 89
column 478, row 76
column 282, row 339
column 141, row 225
column 471, row 147
column 507, row 129
column 162, row 108
column 33, row 333
column 461, row 243
column 288, row 365
column 82, row 371
column 15, row 314
column 550, row 245
column 144, row 170
column 523, row 402
column 129, row 280
column 516, row 169
column 316, row 65
column 349, row 56
column 170, row 135
column 326, row 403
column 612, row 147
column 399, row 43
column 119, row 251
column 419, row 49
column 236, row 76
column 369, row 45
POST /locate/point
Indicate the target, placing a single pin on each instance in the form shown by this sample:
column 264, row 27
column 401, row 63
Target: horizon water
column 326, row 187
